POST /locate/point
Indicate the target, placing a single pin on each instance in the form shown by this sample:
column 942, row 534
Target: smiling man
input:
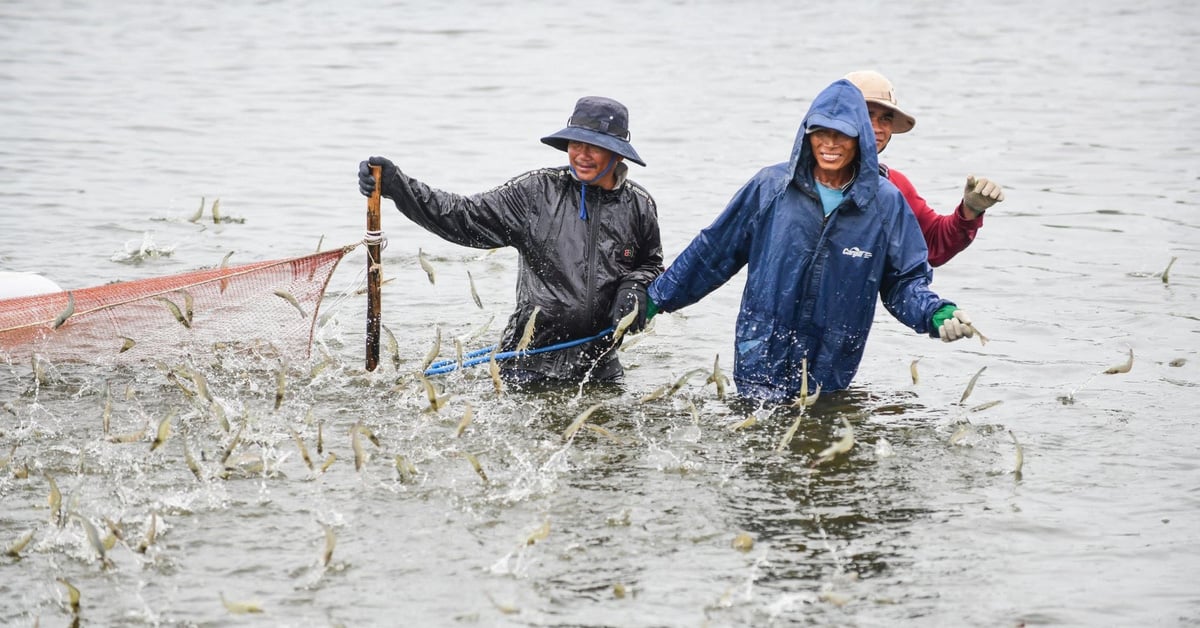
column 822, row 236
column 587, row 235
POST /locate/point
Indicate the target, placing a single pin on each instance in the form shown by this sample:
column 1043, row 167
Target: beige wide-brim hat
column 877, row 89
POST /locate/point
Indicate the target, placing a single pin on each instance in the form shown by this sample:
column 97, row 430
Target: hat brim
column 820, row 120
column 617, row 145
column 903, row 123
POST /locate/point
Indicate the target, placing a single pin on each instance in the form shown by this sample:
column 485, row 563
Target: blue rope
column 445, row 366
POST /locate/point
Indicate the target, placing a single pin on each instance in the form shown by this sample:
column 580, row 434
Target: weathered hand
column 981, row 193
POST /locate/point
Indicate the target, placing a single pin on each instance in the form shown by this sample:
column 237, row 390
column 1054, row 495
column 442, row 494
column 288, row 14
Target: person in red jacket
column 946, row 235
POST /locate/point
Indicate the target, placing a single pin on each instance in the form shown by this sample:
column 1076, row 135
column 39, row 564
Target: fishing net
column 269, row 308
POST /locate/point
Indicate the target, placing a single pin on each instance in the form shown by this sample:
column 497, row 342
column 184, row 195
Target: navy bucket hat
column 601, row 122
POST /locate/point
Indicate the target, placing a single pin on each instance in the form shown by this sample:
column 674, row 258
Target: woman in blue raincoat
column 822, row 234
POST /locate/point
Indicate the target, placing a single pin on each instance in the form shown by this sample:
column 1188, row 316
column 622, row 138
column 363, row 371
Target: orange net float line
column 268, row 307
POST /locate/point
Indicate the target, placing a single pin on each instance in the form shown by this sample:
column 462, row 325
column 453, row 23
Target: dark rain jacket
column 812, row 281
column 570, row 267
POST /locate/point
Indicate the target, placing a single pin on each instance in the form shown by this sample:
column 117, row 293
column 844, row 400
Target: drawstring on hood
column 583, row 215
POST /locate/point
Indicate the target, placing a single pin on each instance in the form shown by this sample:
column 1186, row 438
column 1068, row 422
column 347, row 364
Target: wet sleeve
column 904, row 287
column 715, row 255
column 488, row 220
column 650, row 262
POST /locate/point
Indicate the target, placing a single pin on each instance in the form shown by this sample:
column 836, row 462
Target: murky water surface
column 117, row 119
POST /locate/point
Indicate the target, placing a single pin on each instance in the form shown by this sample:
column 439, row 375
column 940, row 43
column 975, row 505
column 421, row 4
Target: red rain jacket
column 946, row 235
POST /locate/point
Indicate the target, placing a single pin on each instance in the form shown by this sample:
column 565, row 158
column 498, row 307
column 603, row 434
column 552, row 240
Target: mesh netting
column 246, row 307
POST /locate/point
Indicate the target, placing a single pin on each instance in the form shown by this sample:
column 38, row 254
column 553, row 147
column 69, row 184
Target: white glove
column 955, row 327
column 981, row 193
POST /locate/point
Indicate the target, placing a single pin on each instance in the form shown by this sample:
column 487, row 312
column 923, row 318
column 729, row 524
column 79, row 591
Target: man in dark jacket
column 823, row 235
column 587, row 235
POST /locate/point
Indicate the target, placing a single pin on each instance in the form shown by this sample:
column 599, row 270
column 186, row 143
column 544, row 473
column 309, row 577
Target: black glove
column 366, row 182
column 630, row 295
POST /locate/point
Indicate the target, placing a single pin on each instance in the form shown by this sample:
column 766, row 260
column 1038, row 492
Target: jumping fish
column 435, row 350
column 72, row 596
column 164, row 431
column 971, row 384
column 360, row 456
column 93, row 536
column 1020, row 455
column 303, row 449
column 405, row 469
column 983, row 340
column 425, row 265
column 175, row 311
column 151, row 534
column 717, row 377
column 106, row 413
column 189, row 306
column 474, row 293
column 435, row 401
column 540, row 534
column 1166, row 271
column 18, row 545
column 657, row 393
column 840, row 447
column 280, row 385
column 330, row 542
column 464, row 422
column 458, row 352
column 475, row 465
column 494, row 371
column 290, row 298
column 329, row 462
column 127, row 344
column 578, row 422
column 131, row 437
column 1121, row 368
column 199, row 212
column 742, row 424
column 527, row 335
column 224, row 283
column 192, row 465
column 912, row 369
column 216, row 213
column 201, row 385
column 393, row 346
column 682, row 380
column 219, row 411
column 67, row 312
column 240, row 608
column 623, row 324
column 55, row 501
column 789, row 434
column 320, row 438
column 743, row 542
column 39, row 369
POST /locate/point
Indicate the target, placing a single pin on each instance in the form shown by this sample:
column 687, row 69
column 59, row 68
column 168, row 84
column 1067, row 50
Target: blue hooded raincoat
column 812, row 281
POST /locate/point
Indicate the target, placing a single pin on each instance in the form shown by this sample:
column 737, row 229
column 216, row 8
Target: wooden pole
column 374, row 270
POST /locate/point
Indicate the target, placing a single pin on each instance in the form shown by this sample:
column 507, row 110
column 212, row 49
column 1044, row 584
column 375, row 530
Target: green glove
column 952, row 323
column 651, row 308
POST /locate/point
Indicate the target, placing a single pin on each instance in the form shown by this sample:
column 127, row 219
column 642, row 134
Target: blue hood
column 840, row 107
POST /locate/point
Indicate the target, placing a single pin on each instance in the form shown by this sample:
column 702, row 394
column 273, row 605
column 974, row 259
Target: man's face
column 589, row 161
column 834, row 150
column 882, row 119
